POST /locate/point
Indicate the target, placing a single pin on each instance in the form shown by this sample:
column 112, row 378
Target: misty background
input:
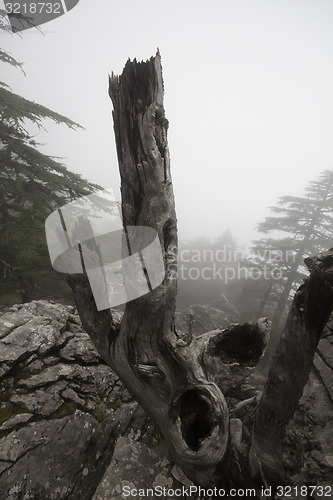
column 248, row 94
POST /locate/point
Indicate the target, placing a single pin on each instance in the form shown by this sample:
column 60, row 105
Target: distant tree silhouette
column 32, row 185
column 308, row 223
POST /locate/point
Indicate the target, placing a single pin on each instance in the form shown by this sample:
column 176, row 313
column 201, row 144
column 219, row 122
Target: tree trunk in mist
column 292, row 276
column 182, row 385
column 308, row 315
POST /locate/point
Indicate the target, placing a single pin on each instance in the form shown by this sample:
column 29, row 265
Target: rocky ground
column 309, row 443
column 70, row 430
column 68, row 427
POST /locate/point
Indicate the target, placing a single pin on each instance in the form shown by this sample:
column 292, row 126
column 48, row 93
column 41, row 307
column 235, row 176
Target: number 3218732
column 304, row 491
column 33, row 8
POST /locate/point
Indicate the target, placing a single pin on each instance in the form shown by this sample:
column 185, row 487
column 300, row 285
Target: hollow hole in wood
column 197, row 422
column 243, row 344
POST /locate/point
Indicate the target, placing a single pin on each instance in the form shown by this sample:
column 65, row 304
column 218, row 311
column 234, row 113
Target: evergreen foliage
column 307, row 224
column 32, row 185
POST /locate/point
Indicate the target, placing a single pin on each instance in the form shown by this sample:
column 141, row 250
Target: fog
column 248, row 94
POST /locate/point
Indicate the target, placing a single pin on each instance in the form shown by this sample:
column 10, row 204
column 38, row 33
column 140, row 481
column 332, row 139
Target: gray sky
column 248, row 94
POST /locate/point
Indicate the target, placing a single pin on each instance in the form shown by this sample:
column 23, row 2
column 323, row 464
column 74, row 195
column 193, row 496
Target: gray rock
column 310, row 433
column 325, row 372
column 55, row 459
column 70, row 430
column 61, row 408
column 325, row 349
column 71, row 395
column 21, row 418
column 325, row 438
column 41, row 402
column 78, row 349
column 35, row 329
column 136, row 467
column 49, row 375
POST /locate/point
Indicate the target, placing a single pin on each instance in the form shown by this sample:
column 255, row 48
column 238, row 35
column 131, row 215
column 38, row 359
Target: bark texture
column 290, row 369
column 176, row 383
column 182, row 382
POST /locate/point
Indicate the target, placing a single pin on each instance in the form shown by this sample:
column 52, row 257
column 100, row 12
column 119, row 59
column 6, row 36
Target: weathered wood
column 186, row 409
column 174, row 382
column 290, row 368
column 181, row 382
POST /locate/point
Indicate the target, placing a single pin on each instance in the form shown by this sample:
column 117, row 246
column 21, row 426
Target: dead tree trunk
column 290, row 368
column 181, row 385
